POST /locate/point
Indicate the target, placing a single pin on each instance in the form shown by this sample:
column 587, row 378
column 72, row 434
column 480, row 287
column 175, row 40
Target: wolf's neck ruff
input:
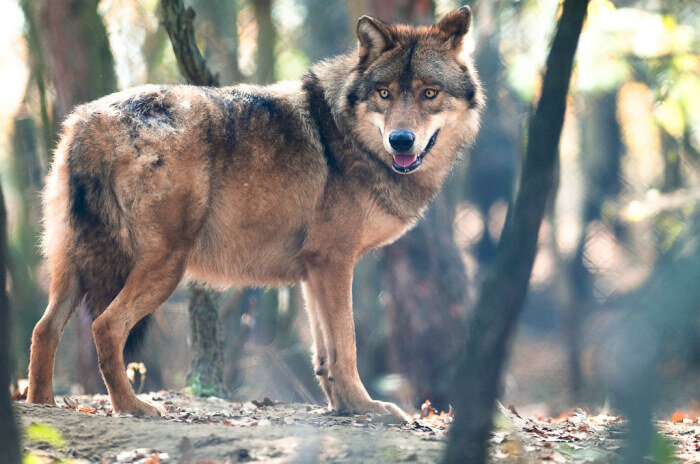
column 322, row 116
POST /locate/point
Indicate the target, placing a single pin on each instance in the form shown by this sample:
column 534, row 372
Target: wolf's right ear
column 455, row 26
column 375, row 38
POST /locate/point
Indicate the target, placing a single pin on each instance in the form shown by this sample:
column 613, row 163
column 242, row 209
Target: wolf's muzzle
column 416, row 164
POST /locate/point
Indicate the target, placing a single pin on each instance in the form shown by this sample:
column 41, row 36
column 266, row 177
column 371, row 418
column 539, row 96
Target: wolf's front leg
column 328, row 290
column 319, row 358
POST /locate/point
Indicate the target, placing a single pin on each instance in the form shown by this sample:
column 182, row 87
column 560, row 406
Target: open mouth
column 406, row 163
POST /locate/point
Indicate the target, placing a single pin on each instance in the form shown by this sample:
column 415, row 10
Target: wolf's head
column 414, row 96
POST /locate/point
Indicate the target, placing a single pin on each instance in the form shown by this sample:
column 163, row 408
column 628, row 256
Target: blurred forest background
column 626, row 204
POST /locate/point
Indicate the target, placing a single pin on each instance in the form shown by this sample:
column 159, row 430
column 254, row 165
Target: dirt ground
column 211, row 430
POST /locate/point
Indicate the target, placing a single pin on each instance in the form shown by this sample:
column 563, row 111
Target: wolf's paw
column 386, row 409
column 391, row 410
column 347, row 394
column 138, row 408
column 381, row 408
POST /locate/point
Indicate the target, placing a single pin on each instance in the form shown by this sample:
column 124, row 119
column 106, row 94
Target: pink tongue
column 404, row 160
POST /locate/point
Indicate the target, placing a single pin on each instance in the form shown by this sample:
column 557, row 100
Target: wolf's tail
column 84, row 226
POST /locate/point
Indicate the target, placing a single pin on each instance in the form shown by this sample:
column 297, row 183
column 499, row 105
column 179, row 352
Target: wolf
column 253, row 185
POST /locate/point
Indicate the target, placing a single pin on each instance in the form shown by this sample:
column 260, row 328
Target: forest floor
column 195, row 430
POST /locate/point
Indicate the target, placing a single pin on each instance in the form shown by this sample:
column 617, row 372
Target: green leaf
column 30, row 458
column 44, row 433
column 198, row 388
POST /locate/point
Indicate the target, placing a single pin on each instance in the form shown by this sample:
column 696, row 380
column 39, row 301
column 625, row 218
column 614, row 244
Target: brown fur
column 250, row 185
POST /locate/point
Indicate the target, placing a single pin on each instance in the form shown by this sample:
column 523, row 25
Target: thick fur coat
column 289, row 183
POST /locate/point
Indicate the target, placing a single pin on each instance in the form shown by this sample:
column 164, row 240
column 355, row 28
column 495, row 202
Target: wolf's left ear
column 455, row 25
column 374, row 36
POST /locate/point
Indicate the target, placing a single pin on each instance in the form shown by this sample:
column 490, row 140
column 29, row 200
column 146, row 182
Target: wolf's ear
column 455, row 25
column 375, row 38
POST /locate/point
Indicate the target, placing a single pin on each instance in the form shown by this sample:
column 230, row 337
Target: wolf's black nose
column 401, row 140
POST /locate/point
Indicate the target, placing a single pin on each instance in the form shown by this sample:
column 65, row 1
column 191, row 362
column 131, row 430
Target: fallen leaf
column 265, row 402
column 511, row 408
column 70, row 402
column 426, row 409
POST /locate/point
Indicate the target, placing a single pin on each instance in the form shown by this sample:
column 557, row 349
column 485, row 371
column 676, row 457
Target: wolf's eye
column 430, row 93
column 384, row 94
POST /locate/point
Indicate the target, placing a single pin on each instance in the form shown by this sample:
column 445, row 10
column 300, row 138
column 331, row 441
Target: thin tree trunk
column 504, row 288
column 601, row 149
column 328, row 29
column 222, row 40
column 493, row 159
column 207, row 368
column 267, row 36
column 37, row 64
column 80, row 60
column 26, row 171
column 673, row 178
column 81, row 68
column 239, row 318
column 575, row 285
column 426, row 282
column 9, row 443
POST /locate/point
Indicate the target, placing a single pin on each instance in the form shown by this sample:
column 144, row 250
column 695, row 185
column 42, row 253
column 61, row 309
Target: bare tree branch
column 505, row 286
column 179, row 24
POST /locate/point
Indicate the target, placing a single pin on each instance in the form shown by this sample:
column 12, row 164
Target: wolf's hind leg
column 64, row 298
column 151, row 281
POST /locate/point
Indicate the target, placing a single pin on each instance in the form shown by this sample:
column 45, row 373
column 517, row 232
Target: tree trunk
column 239, row 317
column 328, row 29
column 207, row 368
column 267, row 36
column 504, row 288
column 22, row 259
column 39, row 74
column 575, row 287
column 601, row 150
column 81, row 68
column 672, row 179
column 426, row 282
column 222, row 39
column 80, row 60
column 493, row 159
column 9, row 444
